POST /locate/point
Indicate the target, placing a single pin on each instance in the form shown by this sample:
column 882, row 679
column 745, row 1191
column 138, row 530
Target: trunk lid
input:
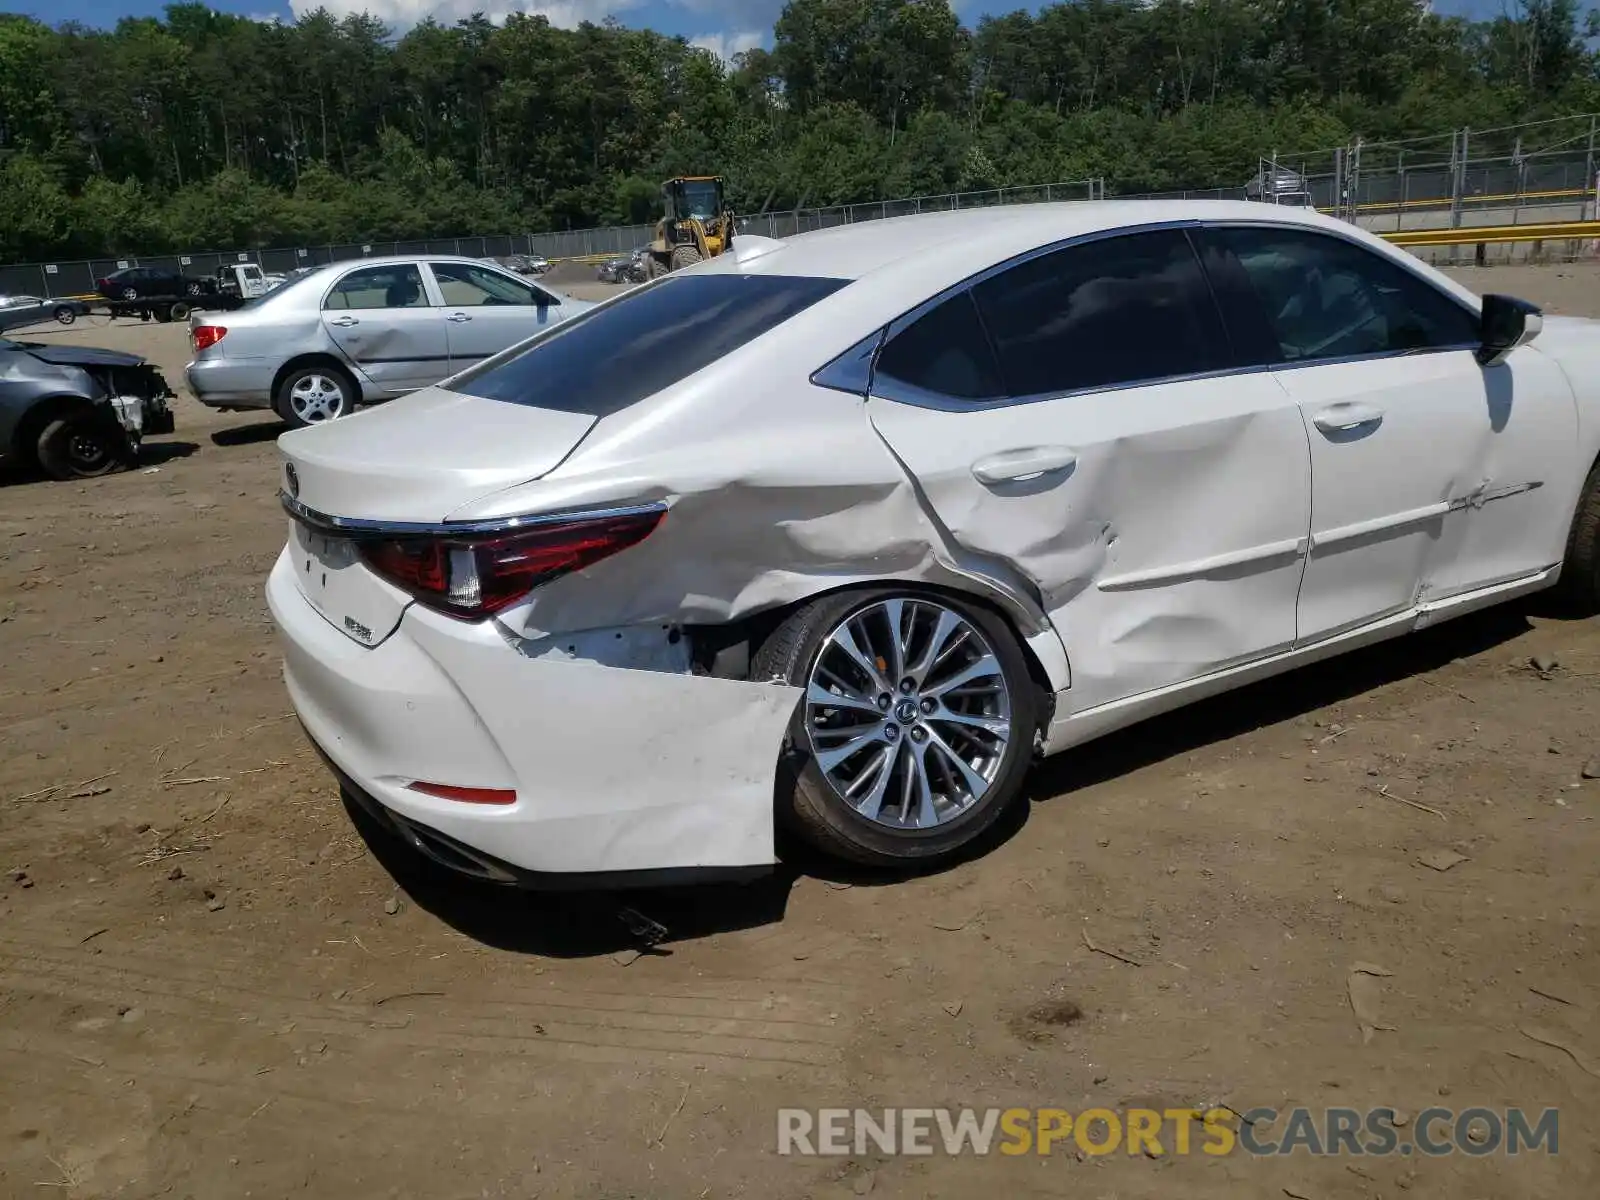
column 419, row 458
column 412, row 461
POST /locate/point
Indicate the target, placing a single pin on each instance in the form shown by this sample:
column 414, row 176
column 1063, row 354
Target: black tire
column 164, row 313
column 84, row 445
column 65, row 313
column 130, row 293
column 283, row 399
column 192, row 288
column 686, row 256
column 178, row 312
column 1580, row 570
column 811, row 806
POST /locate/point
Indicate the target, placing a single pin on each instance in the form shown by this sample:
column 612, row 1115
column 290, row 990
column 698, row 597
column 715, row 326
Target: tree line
column 200, row 129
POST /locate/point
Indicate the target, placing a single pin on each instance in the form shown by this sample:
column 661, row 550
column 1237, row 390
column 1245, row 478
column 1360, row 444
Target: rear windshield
column 602, row 361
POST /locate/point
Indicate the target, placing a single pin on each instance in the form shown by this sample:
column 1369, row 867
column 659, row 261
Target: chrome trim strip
column 1201, row 567
column 1399, row 520
column 1477, row 498
column 358, row 527
column 1487, row 494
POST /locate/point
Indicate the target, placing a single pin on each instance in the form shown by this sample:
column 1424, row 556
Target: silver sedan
column 364, row 331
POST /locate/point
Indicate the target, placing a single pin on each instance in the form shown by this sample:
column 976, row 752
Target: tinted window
column 379, row 287
column 465, row 286
column 1116, row 311
column 946, row 351
column 1324, row 297
column 606, row 359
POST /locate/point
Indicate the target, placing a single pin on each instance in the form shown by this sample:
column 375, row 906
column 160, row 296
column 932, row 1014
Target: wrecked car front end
column 83, row 394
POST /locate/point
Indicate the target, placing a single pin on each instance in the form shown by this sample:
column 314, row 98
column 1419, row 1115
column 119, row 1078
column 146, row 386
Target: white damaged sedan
column 844, row 531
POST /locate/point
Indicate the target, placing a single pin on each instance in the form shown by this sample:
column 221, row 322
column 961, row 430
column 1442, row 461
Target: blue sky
column 725, row 26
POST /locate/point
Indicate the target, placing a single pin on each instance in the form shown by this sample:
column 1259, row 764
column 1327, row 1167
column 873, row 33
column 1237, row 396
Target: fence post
column 1354, row 183
column 1588, row 174
column 1458, row 184
column 1518, row 162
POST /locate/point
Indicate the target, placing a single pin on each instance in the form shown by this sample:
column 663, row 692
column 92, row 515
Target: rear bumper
column 473, row 863
column 622, row 776
column 220, row 383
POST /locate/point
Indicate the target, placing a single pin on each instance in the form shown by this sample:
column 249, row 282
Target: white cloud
column 762, row 13
column 727, row 45
column 402, row 14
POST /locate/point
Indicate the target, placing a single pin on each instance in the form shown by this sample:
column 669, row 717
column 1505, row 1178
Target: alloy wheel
column 316, row 398
column 908, row 713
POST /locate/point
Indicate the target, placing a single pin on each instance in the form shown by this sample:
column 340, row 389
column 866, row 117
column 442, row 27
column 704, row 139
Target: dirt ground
column 211, row 984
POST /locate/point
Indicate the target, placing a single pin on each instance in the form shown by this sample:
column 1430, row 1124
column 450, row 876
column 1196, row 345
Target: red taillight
column 202, row 336
column 465, row 795
column 478, row 576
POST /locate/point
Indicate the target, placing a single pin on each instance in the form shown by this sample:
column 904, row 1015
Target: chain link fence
column 1535, row 172
column 1515, row 174
column 80, row 278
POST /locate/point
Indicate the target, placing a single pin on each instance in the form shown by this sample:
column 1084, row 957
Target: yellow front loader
column 698, row 224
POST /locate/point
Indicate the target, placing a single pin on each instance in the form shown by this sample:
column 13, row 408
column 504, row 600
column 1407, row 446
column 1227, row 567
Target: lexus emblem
column 293, row 478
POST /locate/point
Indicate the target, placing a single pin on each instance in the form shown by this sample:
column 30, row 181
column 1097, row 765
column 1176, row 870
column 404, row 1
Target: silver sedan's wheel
column 916, row 726
column 908, row 713
column 314, row 397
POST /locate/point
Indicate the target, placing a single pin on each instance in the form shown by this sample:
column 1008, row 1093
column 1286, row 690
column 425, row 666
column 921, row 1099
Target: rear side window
column 943, row 351
column 397, row 286
column 603, row 361
column 1117, row 311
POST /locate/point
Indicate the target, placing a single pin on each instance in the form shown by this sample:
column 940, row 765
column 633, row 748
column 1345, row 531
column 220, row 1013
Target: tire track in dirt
column 716, row 1033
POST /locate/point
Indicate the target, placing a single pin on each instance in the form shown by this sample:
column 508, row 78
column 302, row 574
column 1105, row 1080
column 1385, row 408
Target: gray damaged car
column 76, row 412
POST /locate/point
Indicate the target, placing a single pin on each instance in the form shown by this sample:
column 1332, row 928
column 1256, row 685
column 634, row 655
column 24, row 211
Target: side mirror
column 1506, row 324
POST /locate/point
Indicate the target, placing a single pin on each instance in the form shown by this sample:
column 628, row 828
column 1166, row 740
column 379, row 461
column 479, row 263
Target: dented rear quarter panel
column 777, row 490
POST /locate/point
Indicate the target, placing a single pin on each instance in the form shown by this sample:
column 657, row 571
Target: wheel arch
column 315, row 358
column 25, row 435
column 728, row 649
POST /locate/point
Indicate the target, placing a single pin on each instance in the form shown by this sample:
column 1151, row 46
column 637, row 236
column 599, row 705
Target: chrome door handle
column 346, row 322
column 1341, row 418
column 1019, row 466
column 458, row 317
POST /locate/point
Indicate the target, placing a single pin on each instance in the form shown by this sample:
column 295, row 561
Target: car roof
column 989, row 235
column 400, row 260
column 895, row 263
column 395, row 260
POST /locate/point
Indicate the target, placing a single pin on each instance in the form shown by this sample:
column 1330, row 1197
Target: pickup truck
column 246, row 281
